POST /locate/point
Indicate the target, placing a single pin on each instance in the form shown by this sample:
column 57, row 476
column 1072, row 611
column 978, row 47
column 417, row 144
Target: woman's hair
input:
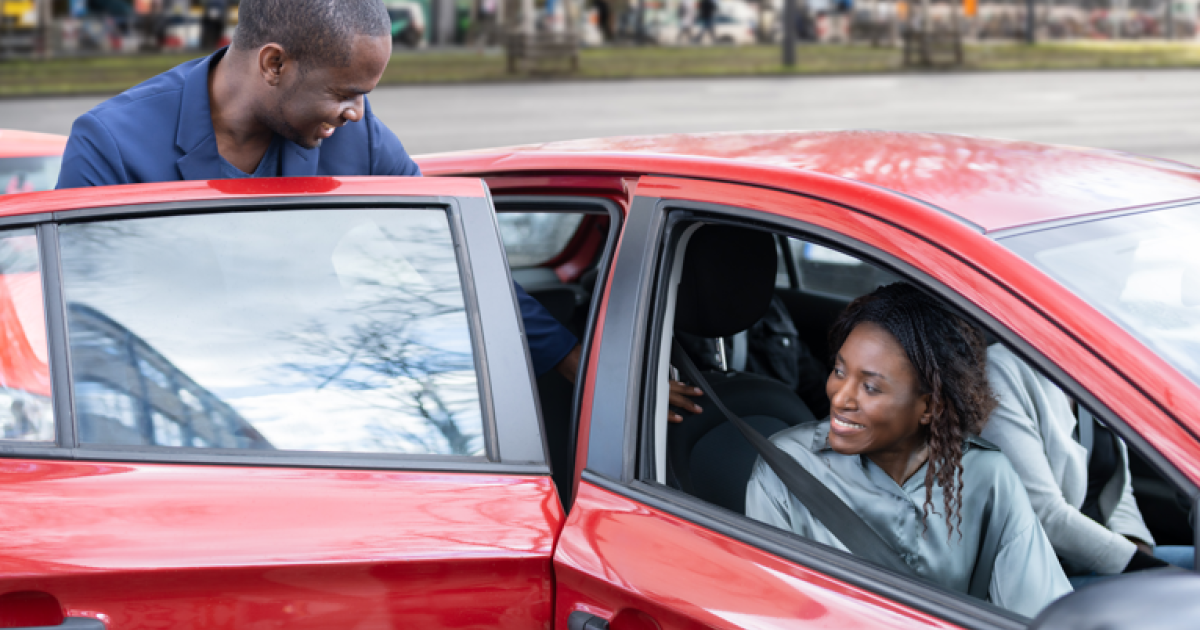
column 950, row 359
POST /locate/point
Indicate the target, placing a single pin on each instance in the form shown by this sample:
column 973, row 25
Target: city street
column 1147, row 112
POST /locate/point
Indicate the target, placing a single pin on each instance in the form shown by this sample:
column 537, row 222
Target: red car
column 307, row 403
column 29, row 161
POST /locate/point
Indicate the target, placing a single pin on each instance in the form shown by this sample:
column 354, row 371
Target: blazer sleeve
column 388, row 156
column 92, row 156
column 1014, row 428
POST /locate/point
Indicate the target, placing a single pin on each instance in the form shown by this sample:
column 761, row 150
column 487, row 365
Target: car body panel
column 141, row 538
column 205, row 546
column 699, row 578
column 599, row 562
column 234, row 189
column 996, row 184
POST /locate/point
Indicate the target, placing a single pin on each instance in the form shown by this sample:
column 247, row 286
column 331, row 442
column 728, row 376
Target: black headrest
column 728, row 280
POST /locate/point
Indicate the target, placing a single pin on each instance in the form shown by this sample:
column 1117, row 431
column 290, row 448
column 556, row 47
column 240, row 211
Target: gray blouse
column 1026, row 576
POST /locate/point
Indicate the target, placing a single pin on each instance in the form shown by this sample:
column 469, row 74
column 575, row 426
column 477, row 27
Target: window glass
column 330, row 330
column 1142, row 270
column 823, row 270
column 25, row 410
column 28, row 174
column 532, row 238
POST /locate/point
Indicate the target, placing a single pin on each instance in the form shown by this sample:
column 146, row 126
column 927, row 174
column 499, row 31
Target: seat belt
column 827, row 507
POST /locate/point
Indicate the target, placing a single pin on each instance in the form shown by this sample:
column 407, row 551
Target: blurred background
column 1117, row 74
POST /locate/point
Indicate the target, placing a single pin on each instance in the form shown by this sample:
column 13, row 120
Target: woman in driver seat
column 909, row 394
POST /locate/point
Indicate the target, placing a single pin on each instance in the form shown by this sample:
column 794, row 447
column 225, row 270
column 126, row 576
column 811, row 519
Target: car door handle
column 81, row 623
column 580, row 620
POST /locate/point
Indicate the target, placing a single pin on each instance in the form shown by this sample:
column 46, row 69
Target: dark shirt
column 1101, row 468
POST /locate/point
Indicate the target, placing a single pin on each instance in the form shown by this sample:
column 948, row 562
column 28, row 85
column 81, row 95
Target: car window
column 533, row 238
column 28, row 174
column 820, row 269
column 25, row 410
column 323, row 330
column 705, row 455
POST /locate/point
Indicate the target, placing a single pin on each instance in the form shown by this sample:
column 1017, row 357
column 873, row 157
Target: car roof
column 28, row 144
column 992, row 183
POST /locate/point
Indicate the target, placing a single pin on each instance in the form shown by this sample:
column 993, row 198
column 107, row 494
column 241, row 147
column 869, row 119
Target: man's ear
column 272, row 59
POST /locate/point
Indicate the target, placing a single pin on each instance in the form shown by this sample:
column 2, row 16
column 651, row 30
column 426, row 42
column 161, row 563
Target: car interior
column 720, row 284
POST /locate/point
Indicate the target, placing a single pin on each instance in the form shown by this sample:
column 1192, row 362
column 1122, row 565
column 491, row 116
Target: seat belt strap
column 825, row 506
column 1087, row 430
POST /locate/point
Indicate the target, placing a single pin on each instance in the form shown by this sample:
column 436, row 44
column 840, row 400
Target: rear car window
column 323, row 330
column 25, row 410
column 533, row 238
column 28, row 174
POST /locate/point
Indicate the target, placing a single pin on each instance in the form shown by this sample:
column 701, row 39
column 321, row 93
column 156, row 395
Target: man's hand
column 681, row 393
column 679, row 399
column 1142, row 547
column 569, row 366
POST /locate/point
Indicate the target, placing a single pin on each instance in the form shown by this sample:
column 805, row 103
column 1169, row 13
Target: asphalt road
column 1148, row 112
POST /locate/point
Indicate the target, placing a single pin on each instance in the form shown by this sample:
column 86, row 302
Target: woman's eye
column 839, row 373
column 871, row 389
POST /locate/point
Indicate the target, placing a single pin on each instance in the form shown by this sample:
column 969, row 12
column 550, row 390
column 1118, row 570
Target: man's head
column 313, row 60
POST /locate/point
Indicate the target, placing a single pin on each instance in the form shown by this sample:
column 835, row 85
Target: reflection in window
column 336, row 331
column 1142, row 270
column 25, row 409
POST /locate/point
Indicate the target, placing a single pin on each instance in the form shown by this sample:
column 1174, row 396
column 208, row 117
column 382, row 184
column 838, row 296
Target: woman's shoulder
column 984, row 462
column 811, row 437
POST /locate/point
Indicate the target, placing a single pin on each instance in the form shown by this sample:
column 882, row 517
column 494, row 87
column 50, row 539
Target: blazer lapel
column 194, row 132
column 297, row 161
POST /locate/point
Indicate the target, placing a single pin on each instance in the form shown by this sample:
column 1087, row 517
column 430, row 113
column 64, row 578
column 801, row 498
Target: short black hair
column 310, row 30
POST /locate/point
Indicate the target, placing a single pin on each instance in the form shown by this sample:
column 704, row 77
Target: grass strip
column 109, row 75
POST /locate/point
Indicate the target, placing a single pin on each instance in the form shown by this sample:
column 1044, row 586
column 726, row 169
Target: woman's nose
column 842, row 396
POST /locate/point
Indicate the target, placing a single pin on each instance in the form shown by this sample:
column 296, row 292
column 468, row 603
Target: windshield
column 1142, row 270
column 28, row 174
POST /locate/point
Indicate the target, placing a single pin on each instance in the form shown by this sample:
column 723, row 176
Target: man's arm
column 92, row 157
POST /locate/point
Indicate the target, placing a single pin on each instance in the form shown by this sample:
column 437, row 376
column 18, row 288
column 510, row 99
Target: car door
column 262, row 407
column 639, row 553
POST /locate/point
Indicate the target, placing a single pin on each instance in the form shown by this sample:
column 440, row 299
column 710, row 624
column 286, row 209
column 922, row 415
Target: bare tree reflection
column 406, row 351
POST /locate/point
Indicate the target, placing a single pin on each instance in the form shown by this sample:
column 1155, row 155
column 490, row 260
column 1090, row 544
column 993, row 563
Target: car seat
column 726, row 285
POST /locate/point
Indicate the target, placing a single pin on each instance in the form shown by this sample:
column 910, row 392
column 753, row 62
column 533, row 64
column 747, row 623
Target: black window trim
column 67, row 447
column 667, row 214
column 574, row 204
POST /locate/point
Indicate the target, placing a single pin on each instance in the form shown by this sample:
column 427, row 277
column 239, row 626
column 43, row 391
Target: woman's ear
column 932, row 409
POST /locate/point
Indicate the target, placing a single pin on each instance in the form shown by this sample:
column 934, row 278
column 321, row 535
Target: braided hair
column 949, row 358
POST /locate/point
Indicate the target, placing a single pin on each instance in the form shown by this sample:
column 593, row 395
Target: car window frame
column 512, row 431
column 666, row 217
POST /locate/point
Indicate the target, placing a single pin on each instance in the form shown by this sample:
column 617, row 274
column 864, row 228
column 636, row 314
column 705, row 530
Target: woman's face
column 876, row 406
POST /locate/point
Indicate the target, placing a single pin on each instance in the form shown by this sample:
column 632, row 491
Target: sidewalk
column 110, row 75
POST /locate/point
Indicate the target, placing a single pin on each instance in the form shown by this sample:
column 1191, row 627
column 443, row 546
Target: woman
column 1083, row 500
column 908, row 393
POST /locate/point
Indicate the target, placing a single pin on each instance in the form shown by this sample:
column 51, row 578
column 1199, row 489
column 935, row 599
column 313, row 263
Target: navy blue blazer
column 161, row 131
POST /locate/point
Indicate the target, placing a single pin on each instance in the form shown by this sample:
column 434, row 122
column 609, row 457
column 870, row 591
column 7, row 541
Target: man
column 286, row 99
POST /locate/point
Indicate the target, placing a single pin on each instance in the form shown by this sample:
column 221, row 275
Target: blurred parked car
column 29, row 161
column 408, row 23
column 307, row 402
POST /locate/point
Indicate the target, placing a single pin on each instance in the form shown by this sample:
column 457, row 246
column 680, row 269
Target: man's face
column 317, row 99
